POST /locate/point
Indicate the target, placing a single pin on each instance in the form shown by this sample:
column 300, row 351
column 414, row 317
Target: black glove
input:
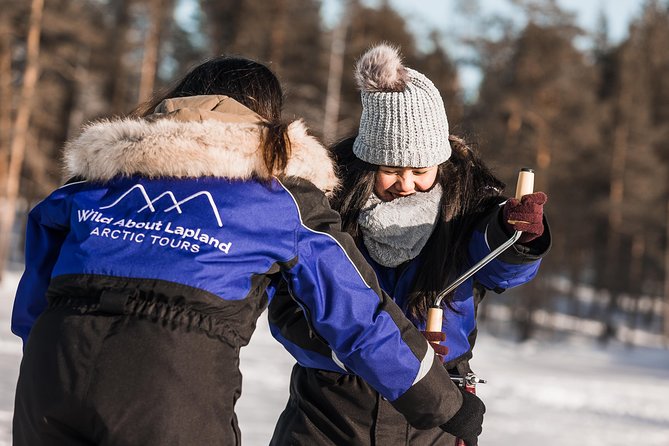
column 467, row 422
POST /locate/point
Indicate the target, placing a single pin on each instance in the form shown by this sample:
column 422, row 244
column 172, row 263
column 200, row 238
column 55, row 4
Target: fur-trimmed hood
column 191, row 142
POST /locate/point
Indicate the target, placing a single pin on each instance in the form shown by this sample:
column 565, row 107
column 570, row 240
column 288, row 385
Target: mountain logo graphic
column 176, row 204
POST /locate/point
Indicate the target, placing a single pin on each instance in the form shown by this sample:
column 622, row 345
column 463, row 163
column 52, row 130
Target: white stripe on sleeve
column 425, row 364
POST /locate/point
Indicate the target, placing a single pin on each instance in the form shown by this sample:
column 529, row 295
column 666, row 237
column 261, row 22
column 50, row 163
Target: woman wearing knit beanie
column 423, row 208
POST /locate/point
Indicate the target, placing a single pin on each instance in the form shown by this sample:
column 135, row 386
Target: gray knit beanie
column 403, row 120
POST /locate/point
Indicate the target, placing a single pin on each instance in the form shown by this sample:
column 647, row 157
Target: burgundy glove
column 433, row 337
column 525, row 215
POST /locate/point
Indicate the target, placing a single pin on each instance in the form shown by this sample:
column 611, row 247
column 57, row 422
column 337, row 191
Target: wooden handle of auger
column 435, row 316
column 525, row 185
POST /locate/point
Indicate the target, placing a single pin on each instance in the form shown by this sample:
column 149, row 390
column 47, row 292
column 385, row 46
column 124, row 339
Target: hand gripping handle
column 435, row 313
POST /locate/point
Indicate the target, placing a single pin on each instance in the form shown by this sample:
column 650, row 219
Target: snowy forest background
column 591, row 116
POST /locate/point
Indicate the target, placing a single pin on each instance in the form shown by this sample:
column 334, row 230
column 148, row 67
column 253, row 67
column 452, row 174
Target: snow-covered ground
column 537, row 393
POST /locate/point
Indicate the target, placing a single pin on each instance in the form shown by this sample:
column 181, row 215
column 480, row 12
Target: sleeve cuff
column 496, row 235
column 432, row 401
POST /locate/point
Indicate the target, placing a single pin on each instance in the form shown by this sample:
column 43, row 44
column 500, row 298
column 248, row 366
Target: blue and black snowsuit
column 145, row 277
column 330, row 406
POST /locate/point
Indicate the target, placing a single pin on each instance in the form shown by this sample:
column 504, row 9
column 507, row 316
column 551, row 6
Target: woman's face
column 393, row 182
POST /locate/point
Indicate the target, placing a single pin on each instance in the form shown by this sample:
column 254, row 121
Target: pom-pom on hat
column 403, row 120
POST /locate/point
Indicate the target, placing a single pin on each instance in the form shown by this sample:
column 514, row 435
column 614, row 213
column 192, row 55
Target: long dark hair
column 469, row 191
column 248, row 82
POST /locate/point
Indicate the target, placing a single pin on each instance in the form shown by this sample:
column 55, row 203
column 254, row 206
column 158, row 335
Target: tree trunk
column 19, row 138
column 335, row 72
column 635, row 289
column 82, row 77
column 151, row 49
column 543, row 150
column 116, row 84
column 576, row 263
column 523, row 310
column 278, row 35
column 666, row 283
column 616, row 195
column 535, row 295
column 5, row 96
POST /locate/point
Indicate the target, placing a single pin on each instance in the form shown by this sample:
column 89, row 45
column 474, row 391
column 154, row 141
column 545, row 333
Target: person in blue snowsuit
column 146, row 272
column 423, row 208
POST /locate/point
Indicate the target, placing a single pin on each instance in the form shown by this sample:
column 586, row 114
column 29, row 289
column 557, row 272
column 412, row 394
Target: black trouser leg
column 112, row 380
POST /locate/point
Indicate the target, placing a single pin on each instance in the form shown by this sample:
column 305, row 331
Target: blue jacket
column 514, row 267
column 182, row 209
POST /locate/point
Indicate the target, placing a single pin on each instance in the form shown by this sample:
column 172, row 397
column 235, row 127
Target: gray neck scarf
column 396, row 231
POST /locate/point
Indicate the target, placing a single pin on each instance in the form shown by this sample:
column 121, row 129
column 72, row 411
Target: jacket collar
column 192, row 137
